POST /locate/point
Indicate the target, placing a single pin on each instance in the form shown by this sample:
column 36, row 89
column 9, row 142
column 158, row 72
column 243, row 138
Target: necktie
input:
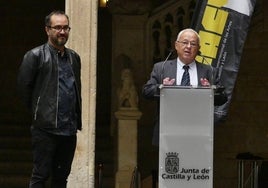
column 185, row 81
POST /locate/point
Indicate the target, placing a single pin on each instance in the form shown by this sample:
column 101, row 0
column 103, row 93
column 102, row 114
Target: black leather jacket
column 38, row 84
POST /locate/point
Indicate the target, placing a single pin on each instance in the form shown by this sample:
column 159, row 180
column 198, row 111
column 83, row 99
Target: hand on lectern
column 168, row 81
column 204, row 82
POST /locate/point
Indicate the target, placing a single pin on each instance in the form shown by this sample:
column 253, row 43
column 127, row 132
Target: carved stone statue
column 127, row 94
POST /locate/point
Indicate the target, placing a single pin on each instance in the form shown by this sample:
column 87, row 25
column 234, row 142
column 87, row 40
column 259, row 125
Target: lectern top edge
column 185, row 87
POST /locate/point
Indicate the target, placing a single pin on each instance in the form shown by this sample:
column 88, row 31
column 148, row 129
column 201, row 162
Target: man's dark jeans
column 52, row 158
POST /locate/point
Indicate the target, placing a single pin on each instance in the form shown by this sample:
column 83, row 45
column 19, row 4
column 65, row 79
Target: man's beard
column 60, row 41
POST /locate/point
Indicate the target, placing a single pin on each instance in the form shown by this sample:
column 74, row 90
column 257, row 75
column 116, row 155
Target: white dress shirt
column 192, row 72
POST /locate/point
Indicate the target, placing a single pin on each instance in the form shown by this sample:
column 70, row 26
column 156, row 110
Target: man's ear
column 47, row 30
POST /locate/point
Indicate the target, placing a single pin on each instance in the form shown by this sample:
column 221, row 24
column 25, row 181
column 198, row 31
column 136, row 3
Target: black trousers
column 52, row 158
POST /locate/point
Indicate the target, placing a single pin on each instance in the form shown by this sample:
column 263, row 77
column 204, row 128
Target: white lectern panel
column 186, row 138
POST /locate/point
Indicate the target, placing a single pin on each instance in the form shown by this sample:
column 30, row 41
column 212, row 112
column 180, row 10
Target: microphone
column 211, row 67
column 220, row 96
column 163, row 65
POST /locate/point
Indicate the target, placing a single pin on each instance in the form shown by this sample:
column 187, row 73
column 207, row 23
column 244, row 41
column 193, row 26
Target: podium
column 186, row 137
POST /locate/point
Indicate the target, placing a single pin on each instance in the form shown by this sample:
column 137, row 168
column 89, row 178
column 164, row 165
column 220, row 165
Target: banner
column 222, row 26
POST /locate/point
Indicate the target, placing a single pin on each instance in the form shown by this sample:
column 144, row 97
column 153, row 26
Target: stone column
column 127, row 145
column 83, row 36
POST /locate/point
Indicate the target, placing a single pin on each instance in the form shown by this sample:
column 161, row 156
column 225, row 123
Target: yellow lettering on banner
column 209, row 43
column 217, row 3
column 204, row 60
column 214, row 19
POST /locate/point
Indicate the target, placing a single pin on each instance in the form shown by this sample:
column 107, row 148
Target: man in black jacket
column 49, row 84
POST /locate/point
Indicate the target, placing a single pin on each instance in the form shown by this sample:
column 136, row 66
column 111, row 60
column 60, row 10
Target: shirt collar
column 55, row 50
column 181, row 64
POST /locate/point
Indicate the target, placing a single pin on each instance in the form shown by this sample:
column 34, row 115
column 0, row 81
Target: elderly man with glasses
column 183, row 71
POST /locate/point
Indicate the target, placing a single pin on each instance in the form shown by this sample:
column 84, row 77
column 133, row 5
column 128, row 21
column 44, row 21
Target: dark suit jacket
column 162, row 70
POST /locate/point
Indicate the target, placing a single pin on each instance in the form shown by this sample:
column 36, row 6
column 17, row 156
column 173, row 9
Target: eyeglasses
column 59, row 28
column 186, row 43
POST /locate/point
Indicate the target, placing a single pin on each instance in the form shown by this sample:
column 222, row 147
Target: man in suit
column 171, row 72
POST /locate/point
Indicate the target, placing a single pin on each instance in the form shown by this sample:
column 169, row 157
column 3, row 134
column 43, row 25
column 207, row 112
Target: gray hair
column 188, row 29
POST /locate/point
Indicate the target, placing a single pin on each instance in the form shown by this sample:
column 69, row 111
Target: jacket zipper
column 57, row 101
column 36, row 108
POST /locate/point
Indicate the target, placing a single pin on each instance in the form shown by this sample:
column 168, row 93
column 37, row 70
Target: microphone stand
column 162, row 72
column 213, row 85
column 163, row 66
column 219, row 95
